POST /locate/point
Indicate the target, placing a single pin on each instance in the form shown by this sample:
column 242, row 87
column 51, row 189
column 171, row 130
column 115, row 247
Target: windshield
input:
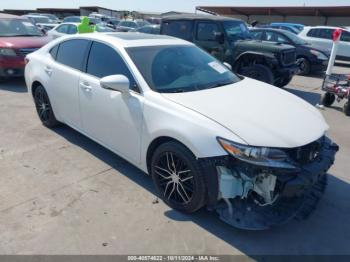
column 142, row 23
column 17, row 27
column 295, row 39
column 236, row 30
column 42, row 20
column 175, row 69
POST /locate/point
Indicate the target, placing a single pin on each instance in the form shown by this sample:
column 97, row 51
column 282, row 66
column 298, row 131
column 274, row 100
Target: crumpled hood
column 260, row 114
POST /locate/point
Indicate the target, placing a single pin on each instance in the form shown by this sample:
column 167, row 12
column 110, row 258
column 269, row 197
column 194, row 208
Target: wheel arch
column 34, row 86
column 260, row 58
column 155, row 144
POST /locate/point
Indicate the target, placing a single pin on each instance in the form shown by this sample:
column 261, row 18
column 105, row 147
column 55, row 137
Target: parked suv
column 322, row 36
column 229, row 40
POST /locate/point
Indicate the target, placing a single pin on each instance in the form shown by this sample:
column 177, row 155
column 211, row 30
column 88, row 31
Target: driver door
column 110, row 117
column 210, row 37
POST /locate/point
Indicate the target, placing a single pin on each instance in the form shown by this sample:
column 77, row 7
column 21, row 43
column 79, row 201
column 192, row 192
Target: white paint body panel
column 248, row 112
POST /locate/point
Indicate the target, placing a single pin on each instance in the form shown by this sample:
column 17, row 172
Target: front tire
column 44, row 108
column 258, row 72
column 284, row 81
column 305, row 67
column 178, row 177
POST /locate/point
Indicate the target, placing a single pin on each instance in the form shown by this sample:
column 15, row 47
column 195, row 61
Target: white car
column 71, row 28
column 255, row 153
column 322, row 36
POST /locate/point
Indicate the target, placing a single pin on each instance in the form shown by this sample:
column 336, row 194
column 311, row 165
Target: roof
column 132, row 39
column 197, row 17
column 5, row 16
column 327, row 11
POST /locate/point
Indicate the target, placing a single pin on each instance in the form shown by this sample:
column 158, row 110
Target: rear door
column 113, row 119
column 207, row 37
column 64, row 79
column 178, row 28
column 321, row 37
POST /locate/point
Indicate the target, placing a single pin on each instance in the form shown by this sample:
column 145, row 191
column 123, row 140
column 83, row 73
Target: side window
column 257, row 34
column 72, row 30
column 345, row 36
column 282, row 39
column 326, row 33
column 313, row 33
column 72, row 53
column 105, row 61
column 270, row 36
column 180, row 29
column 53, row 51
column 62, row 29
column 207, row 31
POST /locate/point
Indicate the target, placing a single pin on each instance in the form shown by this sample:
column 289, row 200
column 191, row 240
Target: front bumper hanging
column 299, row 194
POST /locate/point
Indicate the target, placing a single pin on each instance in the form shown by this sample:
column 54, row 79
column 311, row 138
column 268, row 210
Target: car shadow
column 16, row 85
column 310, row 97
column 327, row 231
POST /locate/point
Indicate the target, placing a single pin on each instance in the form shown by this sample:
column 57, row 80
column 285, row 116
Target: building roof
column 4, row 16
column 327, row 11
column 196, row 17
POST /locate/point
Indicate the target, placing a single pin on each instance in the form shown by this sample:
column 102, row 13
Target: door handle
column 85, row 86
column 48, row 70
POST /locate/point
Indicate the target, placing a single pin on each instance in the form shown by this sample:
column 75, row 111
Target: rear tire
column 178, row 177
column 258, row 72
column 327, row 99
column 44, row 108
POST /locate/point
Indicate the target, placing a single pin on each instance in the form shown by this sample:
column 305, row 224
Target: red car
column 18, row 37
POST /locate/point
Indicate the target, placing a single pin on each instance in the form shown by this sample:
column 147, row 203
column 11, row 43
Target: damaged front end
column 257, row 188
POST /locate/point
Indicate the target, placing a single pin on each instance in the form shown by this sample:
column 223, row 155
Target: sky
column 159, row 5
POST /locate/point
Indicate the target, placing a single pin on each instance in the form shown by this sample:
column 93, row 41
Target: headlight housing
column 319, row 55
column 7, row 52
column 260, row 156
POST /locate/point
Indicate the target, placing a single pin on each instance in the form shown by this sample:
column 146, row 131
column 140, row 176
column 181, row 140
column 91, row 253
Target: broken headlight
column 261, row 156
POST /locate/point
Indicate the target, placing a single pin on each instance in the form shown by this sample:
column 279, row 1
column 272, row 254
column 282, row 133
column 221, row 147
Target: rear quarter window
column 53, row 51
column 180, row 29
column 72, row 53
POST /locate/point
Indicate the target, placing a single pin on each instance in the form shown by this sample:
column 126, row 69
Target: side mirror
column 228, row 66
column 118, row 83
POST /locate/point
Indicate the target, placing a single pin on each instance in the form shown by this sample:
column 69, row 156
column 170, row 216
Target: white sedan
column 72, row 29
column 255, row 153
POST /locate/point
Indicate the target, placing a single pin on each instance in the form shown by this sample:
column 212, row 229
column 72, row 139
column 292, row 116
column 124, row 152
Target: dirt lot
column 61, row 193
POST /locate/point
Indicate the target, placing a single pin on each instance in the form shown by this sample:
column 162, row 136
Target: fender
column 268, row 57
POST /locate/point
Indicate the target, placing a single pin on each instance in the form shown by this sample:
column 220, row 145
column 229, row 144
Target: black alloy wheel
column 177, row 177
column 43, row 107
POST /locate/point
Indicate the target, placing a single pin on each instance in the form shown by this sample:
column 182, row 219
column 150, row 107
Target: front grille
column 288, row 57
column 26, row 51
column 307, row 153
